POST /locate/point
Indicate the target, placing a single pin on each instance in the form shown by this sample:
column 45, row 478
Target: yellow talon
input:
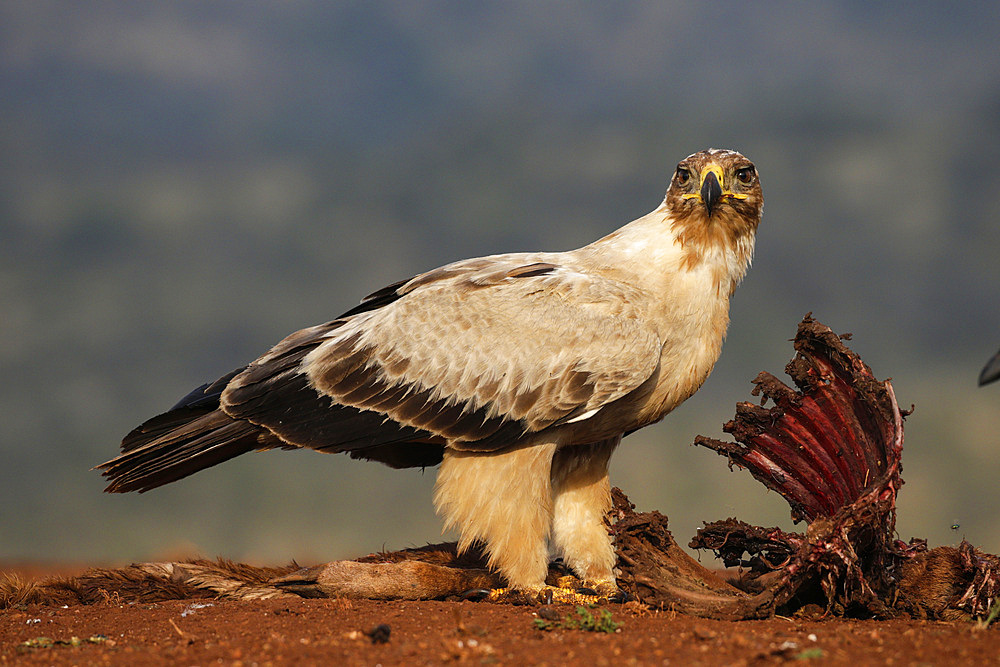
column 567, row 592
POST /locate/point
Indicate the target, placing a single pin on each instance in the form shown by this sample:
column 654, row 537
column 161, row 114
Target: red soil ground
column 301, row 631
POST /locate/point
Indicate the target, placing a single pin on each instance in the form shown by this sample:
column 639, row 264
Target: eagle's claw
column 598, row 593
column 475, row 594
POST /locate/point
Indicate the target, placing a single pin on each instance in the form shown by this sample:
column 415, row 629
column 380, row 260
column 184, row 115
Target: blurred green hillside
column 182, row 184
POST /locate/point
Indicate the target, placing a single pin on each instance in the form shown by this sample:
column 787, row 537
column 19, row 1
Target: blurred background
column 182, row 184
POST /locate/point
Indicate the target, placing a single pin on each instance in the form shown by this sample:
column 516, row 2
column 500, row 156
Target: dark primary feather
column 207, row 395
column 382, row 297
column 197, row 403
column 201, row 442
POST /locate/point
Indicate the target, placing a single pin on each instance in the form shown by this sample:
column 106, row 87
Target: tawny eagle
column 518, row 374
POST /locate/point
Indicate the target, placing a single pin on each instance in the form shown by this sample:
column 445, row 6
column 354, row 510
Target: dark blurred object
column 991, row 371
column 379, row 634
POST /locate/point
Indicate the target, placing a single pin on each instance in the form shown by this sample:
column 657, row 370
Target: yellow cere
column 717, row 170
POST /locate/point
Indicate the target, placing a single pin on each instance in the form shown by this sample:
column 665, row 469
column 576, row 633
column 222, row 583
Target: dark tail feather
column 201, row 401
column 178, row 444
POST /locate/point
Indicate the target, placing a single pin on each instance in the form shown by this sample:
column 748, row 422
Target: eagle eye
column 745, row 175
column 683, row 176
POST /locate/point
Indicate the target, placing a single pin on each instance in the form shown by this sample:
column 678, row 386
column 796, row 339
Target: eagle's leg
column 581, row 496
column 503, row 500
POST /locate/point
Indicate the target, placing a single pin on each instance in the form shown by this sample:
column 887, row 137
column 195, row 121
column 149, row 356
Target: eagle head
column 715, row 195
column 713, row 206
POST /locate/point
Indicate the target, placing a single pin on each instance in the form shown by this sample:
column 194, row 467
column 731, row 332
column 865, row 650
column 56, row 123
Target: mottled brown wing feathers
column 473, row 355
column 486, row 352
column 274, row 393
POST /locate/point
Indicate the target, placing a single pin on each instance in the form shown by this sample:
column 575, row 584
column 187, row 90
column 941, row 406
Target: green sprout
column 582, row 619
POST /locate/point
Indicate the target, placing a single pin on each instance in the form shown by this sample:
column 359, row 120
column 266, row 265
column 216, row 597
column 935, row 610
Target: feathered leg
column 581, row 497
column 505, row 501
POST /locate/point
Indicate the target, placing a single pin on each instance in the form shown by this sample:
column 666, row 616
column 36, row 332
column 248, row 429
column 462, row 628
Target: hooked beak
column 711, row 190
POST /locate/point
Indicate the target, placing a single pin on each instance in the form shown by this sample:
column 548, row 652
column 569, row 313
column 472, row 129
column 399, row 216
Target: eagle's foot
column 569, row 590
column 606, row 590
